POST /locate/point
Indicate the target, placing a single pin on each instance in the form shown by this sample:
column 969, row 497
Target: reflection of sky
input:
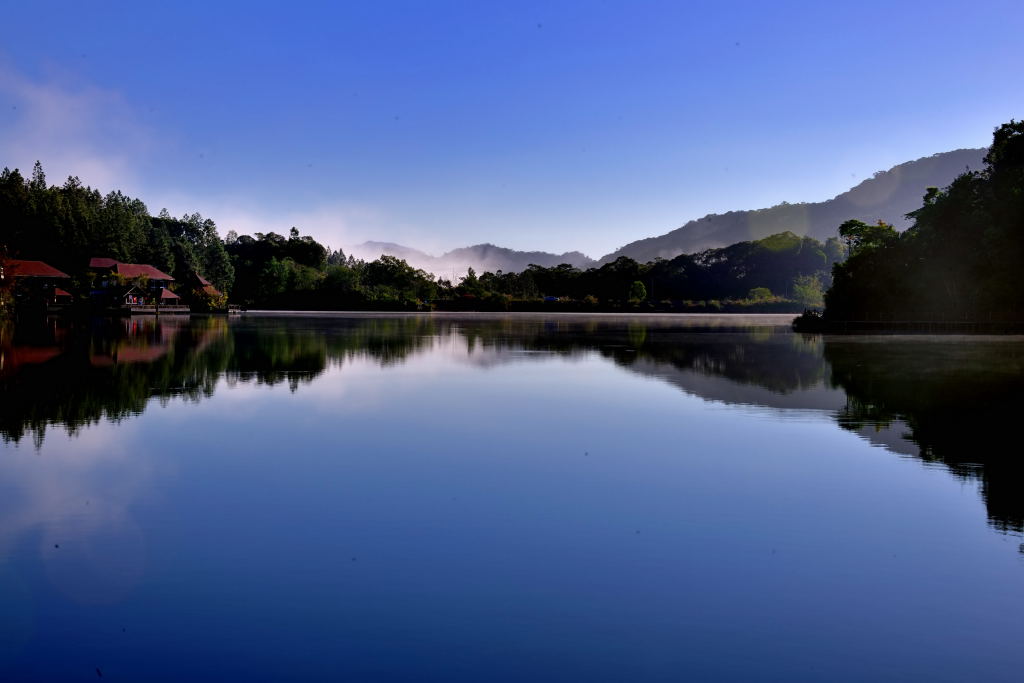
column 87, row 481
column 545, row 518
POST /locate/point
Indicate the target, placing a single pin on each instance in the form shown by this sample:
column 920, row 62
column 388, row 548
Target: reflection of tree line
column 958, row 400
column 72, row 375
column 769, row 357
column 271, row 352
column 108, row 371
column 961, row 401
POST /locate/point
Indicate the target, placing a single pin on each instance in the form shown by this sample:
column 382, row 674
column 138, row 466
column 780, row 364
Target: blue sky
column 534, row 125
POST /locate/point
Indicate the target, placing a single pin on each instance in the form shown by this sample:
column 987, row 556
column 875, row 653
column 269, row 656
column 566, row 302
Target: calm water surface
column 526, row 498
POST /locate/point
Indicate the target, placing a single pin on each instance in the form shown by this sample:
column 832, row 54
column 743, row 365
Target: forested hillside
column 887, row 196
column 960, row 260
column 66, row 225
column 960, row 257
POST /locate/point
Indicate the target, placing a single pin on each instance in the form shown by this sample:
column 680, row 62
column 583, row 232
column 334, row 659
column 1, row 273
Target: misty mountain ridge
column 888, row 196
column 479, row 257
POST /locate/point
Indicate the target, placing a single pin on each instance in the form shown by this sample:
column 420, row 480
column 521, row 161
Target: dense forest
column 68, row 224
column 960, row 260
column 296, row 272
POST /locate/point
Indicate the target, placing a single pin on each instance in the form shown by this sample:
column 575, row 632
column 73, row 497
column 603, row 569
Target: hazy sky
column 534, row 125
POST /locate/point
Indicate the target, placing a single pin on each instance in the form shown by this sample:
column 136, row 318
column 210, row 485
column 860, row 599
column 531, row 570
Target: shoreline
column 942, row 327
column 780, row 319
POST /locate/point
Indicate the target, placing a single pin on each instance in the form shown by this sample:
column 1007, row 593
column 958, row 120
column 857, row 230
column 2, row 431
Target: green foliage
column 781, row 242
column 807, row 291
column 202, row 300
column 392, row 279
column 270, row 266
column 961, row 258
column 760, row 294
column 341, row 279
column 470, row 285
column 731, row 272
column 726, row 274
column 723, row 276
column 67, row 225
column 835, row 251
column 195, row 247
column 861, row 237
column 297, row 272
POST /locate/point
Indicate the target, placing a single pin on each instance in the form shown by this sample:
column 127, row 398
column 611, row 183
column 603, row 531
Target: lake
column 507, row 498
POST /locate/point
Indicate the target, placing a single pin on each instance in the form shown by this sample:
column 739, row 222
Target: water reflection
column 488, row 498
column 959, row 399
column 67, row 375
column 947, row 402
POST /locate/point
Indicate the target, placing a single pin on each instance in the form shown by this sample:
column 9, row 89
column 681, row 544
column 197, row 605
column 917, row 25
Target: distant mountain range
column 480, row 257
column 888, row 196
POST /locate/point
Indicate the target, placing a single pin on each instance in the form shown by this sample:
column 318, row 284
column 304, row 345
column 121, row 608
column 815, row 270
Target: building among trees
column 35, row 284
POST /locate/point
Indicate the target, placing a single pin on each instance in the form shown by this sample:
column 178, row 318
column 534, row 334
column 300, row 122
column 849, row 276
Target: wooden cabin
column 36, row 284
column 128, row 271
column 149, row 295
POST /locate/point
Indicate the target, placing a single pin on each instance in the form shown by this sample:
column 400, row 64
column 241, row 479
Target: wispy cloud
column 73, row 129
column 99, row 135
column 335, row 223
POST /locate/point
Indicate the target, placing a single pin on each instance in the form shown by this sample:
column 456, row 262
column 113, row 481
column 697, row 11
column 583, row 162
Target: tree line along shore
column 72, row 228
column 955, row 269
column 958, row 262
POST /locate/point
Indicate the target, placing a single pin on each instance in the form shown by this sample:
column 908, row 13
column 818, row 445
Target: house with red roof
column 203, row 294
column 205, row 291
column 207, row 286
column 130, row 271
column 20, row 268
column 35, row 283
column 62, row 297
column 97, row 264
column 134, row 288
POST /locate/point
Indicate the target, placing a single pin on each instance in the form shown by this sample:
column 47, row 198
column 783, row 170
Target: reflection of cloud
column 83, row 131
column 75, row 493
column 351, row 382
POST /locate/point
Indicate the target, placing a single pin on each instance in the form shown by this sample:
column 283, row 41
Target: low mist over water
column 507, row 498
